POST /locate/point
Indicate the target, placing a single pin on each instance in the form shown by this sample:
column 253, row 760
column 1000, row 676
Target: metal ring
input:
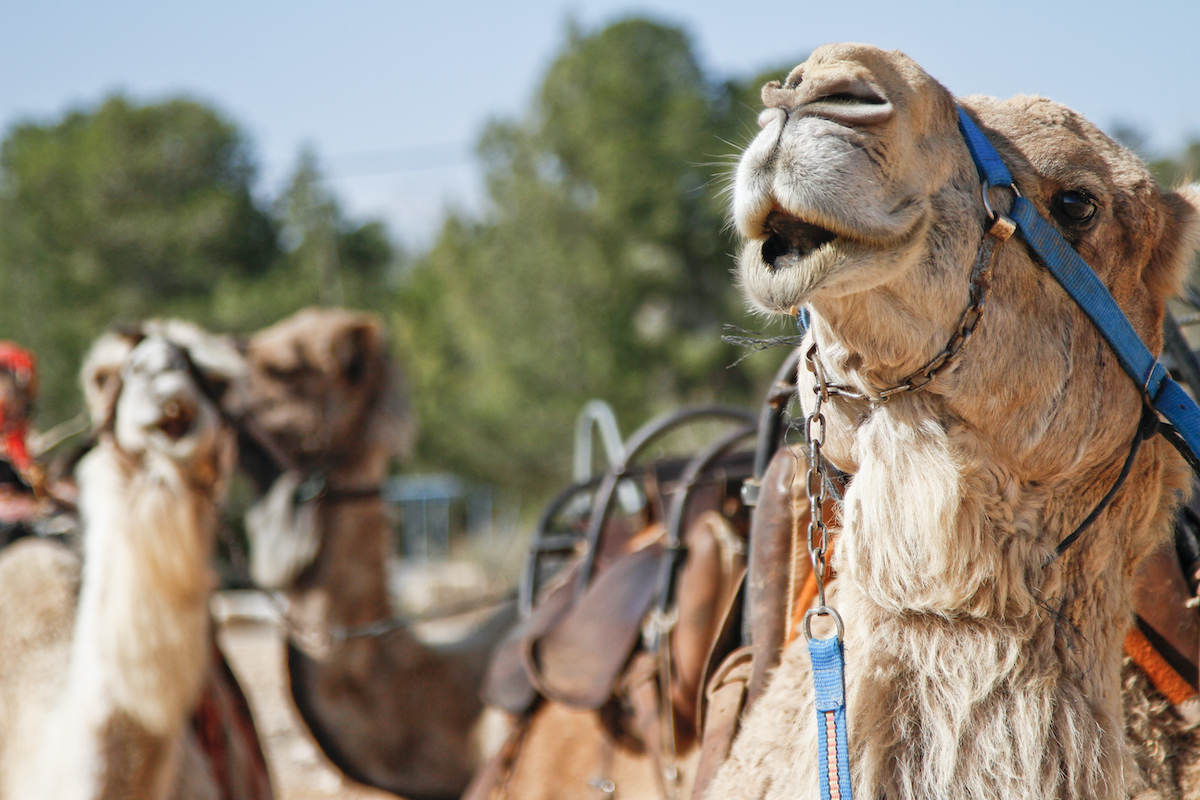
column 822, row 611
column 987, row 204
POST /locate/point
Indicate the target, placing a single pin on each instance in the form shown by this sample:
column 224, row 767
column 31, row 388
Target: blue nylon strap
column 991, row 167
column 1086, row 289
column 830, row 695
column 1091, row 295
column 1181, row 411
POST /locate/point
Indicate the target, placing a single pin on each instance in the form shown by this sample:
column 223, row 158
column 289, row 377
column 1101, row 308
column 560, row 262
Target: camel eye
column 1073, row 207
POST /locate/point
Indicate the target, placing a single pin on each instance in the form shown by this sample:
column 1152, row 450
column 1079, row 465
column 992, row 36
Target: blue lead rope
column 833, row 751
column 1093, row 298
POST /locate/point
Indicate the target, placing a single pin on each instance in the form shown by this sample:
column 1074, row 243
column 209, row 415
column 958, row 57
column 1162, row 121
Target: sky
column 392, row 94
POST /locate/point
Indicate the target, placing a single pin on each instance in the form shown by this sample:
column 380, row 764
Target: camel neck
column 981, row 710
column 358, row 469
column 140, row 647
column 350, row 572
column 954, row 622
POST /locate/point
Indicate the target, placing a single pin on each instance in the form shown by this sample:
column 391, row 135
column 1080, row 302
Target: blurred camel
column 389, row 710
column 105, row 663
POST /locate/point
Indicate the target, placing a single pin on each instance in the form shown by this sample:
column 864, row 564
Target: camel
column 979, row 663
column 387, row 709
column 105, row 663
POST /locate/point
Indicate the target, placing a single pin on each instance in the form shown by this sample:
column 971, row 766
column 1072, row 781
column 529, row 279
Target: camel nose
column 842, row 92
column 178, row 416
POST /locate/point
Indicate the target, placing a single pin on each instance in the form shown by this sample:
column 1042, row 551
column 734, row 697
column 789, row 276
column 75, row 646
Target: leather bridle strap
column 1082, row 284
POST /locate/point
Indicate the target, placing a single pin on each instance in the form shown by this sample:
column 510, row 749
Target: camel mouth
column 790, row 240
column 177, row 419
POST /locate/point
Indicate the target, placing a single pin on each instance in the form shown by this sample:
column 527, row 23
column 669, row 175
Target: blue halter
column 1084, row 287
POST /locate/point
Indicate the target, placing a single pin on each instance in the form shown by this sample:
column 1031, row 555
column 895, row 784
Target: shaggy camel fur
column 976, row 666
column 104, row 665
column 387, row 709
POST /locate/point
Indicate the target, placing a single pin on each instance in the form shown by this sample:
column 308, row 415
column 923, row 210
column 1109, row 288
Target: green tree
column 122, row 212
column 600, row 269
column 325, row 258
column 1180, row 169
column 128, row 211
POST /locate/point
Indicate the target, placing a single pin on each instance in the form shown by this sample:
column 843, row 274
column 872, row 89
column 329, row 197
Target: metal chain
column 818, row 532
column 815, row 484
column 981, row 281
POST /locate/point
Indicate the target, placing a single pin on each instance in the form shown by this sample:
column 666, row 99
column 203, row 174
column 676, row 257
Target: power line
column 391, row 160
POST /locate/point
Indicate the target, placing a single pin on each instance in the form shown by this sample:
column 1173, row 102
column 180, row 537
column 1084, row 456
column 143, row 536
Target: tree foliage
column 108, row 214
column 601, row 268
column 1181, row 169
column 128, row 211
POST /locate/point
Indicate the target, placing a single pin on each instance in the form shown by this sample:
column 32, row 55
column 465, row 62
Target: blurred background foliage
column 599, row 268
column 124, row 212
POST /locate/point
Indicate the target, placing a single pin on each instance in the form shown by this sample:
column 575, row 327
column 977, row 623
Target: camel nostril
column 177, row 419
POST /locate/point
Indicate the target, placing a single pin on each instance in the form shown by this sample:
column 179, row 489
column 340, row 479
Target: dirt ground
column 299, row 771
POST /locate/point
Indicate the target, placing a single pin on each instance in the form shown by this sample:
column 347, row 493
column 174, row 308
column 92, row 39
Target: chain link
column 817, row 538
column 981, row 281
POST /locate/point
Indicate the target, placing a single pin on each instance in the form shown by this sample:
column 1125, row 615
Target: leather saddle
column 575, row 648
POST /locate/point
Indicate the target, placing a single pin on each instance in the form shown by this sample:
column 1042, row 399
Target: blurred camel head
column 320, row 387
column 156, row 391
column 321, row 390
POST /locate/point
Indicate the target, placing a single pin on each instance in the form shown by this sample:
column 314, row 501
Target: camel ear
column 355, row 347
column 101, row 374
column 216, row 356
column 359, row 348
column 1168, row 268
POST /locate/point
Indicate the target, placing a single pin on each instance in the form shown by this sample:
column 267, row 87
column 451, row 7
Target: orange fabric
column 1160, row 673
column 808, row 593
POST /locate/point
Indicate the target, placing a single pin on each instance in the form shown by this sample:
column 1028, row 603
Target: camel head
column 860, row 180
column 320, row 386
column 156, row 392
column 859, row 200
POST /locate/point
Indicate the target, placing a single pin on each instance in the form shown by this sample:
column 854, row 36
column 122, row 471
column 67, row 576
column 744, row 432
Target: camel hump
column 42, row 579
